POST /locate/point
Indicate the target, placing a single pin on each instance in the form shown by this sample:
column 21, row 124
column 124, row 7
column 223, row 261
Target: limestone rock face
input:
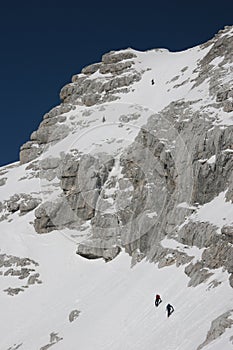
column 227, row 231
column 80, row 182
column 73, row 315
column 133, row 195
column 218, row 327
column 137, row 160
column 114, row 74
column 23, row 203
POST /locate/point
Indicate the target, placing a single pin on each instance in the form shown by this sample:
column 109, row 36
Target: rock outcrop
column 133, row 197
column 218, row 327
column 97, row 83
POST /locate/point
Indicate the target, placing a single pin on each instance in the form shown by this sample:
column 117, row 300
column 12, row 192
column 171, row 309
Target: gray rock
column 3, row 181
column 231, row 280
column 227, row 231
column 34, row 279
column 90, row 99
column 15, row 346
column 13, row 206
column 49, row 163
column 47, row 134
column 28, row 205
column 166, row 165
column 13, row 291
column 197, row 273
column 54, row 339
column 114, row 57
column 58, row 110
column 74, row 314
column 217, row 328
column 53, row 215
column 199, row 234
column 228, row 106
column 93, row 251
column 221, row 96
column 91, row 68
column 29, row 151
column 115, row 68
column 217, row 255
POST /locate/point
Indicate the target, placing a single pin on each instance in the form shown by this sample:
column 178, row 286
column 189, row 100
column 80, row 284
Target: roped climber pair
column 169, row 307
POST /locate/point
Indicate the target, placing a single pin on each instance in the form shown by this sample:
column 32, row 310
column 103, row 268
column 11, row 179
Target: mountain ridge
column 137, row 159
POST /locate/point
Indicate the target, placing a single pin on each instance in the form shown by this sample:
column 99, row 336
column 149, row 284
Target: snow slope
column 115, row 300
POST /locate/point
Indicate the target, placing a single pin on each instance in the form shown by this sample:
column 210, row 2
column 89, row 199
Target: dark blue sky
column 43, row 43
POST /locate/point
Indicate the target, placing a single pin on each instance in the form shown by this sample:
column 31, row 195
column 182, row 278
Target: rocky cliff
column 132, row 198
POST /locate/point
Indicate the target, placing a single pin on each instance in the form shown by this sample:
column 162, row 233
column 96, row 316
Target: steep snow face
column 116, row 302
column 135, row 167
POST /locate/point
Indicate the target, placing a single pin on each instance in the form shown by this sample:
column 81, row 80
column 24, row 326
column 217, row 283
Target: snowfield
column 115, row 300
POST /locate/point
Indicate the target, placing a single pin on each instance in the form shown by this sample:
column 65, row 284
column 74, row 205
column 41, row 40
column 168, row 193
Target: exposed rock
column 197, row 273
column 51, row 215
column 217, row 255
column 28, row 205
column 73, row 315
column 137, row 256
column 13, row 291
column 54, row 339
column 90, row 99
column 229, row 194
column 88, row 70
column 26, row 270
column 81, row 182
column 21, row 274
column 3, row 181
column 199, row 234
column 9, row 260
column 181, row 155
column 94, row 251
column 29, row 151
column 222, row 96
column 231, row 280
column 13, row 206
column 114, row 56
column 227, row 231
column 22, row 202
column 15, row 346
column 49, row 163
column 46, row 134
column 115, row 68
column 84, row 91
column 34, row 279
column 218, row 327
column 58, row 110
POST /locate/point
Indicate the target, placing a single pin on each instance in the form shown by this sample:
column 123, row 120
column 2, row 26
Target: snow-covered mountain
column 125, row 190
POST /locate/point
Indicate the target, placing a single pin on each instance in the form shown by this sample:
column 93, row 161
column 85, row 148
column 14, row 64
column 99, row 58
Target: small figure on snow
column 104, row 119
column 158, row 300
column 170, row 309
column 152, row 81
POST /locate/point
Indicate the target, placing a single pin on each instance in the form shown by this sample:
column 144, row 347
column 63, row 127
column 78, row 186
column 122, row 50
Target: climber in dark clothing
column 152, row 81
column 170, row 309
column 158, row 300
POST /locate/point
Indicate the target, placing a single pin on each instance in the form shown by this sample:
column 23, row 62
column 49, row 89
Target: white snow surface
column 116, row 300
column 218, row 212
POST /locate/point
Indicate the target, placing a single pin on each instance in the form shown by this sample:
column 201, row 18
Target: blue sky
column 43, row 43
